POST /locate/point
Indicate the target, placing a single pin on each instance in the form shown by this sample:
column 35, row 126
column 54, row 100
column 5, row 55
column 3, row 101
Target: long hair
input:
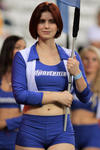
column 6, row 55
column 95, row 86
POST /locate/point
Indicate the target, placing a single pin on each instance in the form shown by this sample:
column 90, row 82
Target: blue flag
column 64, row 14
column 73, row 3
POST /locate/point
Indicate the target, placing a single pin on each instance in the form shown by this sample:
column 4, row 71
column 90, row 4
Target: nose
column 46, row 24
column 90, row 61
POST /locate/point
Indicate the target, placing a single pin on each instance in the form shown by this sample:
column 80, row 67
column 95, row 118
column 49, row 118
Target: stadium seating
column 19, row 12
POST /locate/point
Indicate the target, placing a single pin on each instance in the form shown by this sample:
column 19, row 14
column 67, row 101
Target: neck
column 47, row 44
column 8, row 74
column 7, row 77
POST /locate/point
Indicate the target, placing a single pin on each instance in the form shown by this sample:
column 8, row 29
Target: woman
column 85, row 116
column 9, row 109
column 40, row 82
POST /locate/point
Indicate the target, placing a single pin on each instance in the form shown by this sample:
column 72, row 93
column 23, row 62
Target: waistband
column 56, row 118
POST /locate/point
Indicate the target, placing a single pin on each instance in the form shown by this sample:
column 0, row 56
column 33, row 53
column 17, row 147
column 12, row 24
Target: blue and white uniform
column 87, row 135
column 8, row 135
column 30, row 76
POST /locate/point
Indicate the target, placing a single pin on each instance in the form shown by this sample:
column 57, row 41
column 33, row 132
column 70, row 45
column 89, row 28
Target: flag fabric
column 73, row 3
column 64, row 14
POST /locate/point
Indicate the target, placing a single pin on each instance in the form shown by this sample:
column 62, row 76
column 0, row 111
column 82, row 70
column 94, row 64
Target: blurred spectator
column 85, row 116
column 10, row 114
column 94, row 32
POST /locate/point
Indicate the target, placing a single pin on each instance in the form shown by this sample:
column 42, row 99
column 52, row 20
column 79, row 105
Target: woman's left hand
column 73, row 66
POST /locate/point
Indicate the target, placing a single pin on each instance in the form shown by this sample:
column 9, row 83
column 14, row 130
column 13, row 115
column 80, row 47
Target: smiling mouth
column 46, row 31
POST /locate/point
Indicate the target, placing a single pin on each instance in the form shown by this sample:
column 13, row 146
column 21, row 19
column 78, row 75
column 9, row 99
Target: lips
column 47, row 32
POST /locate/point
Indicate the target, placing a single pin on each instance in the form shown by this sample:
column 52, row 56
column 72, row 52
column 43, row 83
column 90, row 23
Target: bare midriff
column 46, row 110
column 82, row 117
column 6, row 113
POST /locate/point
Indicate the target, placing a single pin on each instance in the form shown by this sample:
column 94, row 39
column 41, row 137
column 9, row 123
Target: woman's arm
column 82, row 89
column 64, row 98
column 19, row 84
column 11, row 124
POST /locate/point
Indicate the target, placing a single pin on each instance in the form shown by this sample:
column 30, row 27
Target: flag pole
column 67, row 41
column 74, row 34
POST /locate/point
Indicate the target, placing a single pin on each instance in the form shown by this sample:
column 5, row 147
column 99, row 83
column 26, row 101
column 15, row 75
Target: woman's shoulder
column 26, row 52
column 23, row 54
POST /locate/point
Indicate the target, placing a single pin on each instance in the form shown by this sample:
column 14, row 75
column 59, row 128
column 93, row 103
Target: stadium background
column 18, row 13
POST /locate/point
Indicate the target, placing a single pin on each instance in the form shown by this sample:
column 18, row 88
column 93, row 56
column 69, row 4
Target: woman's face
column 20, row 44
column 90, row 62
column 46, row 27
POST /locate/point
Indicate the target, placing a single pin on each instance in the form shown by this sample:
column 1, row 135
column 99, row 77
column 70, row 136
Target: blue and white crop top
column 30, row 77
column 7, row 100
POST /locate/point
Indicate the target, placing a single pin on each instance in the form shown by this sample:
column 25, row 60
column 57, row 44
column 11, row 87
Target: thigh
column 62, row 146
column 91, row 148
column 26, row 148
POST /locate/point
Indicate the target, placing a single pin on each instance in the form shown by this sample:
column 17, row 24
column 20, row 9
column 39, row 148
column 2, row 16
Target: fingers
column 73, row 65
column 74, row 57
column 73, row 61
column 68, row 98
column 69, row 103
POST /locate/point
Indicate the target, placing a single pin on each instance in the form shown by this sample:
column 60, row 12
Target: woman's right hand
column 65, row 98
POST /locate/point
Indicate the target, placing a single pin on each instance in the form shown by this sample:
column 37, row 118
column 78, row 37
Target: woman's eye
column 17, row 47
column 41, row 21
column 85, row 58
column 52, row 21
column 94, row 59
column 49, row 21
